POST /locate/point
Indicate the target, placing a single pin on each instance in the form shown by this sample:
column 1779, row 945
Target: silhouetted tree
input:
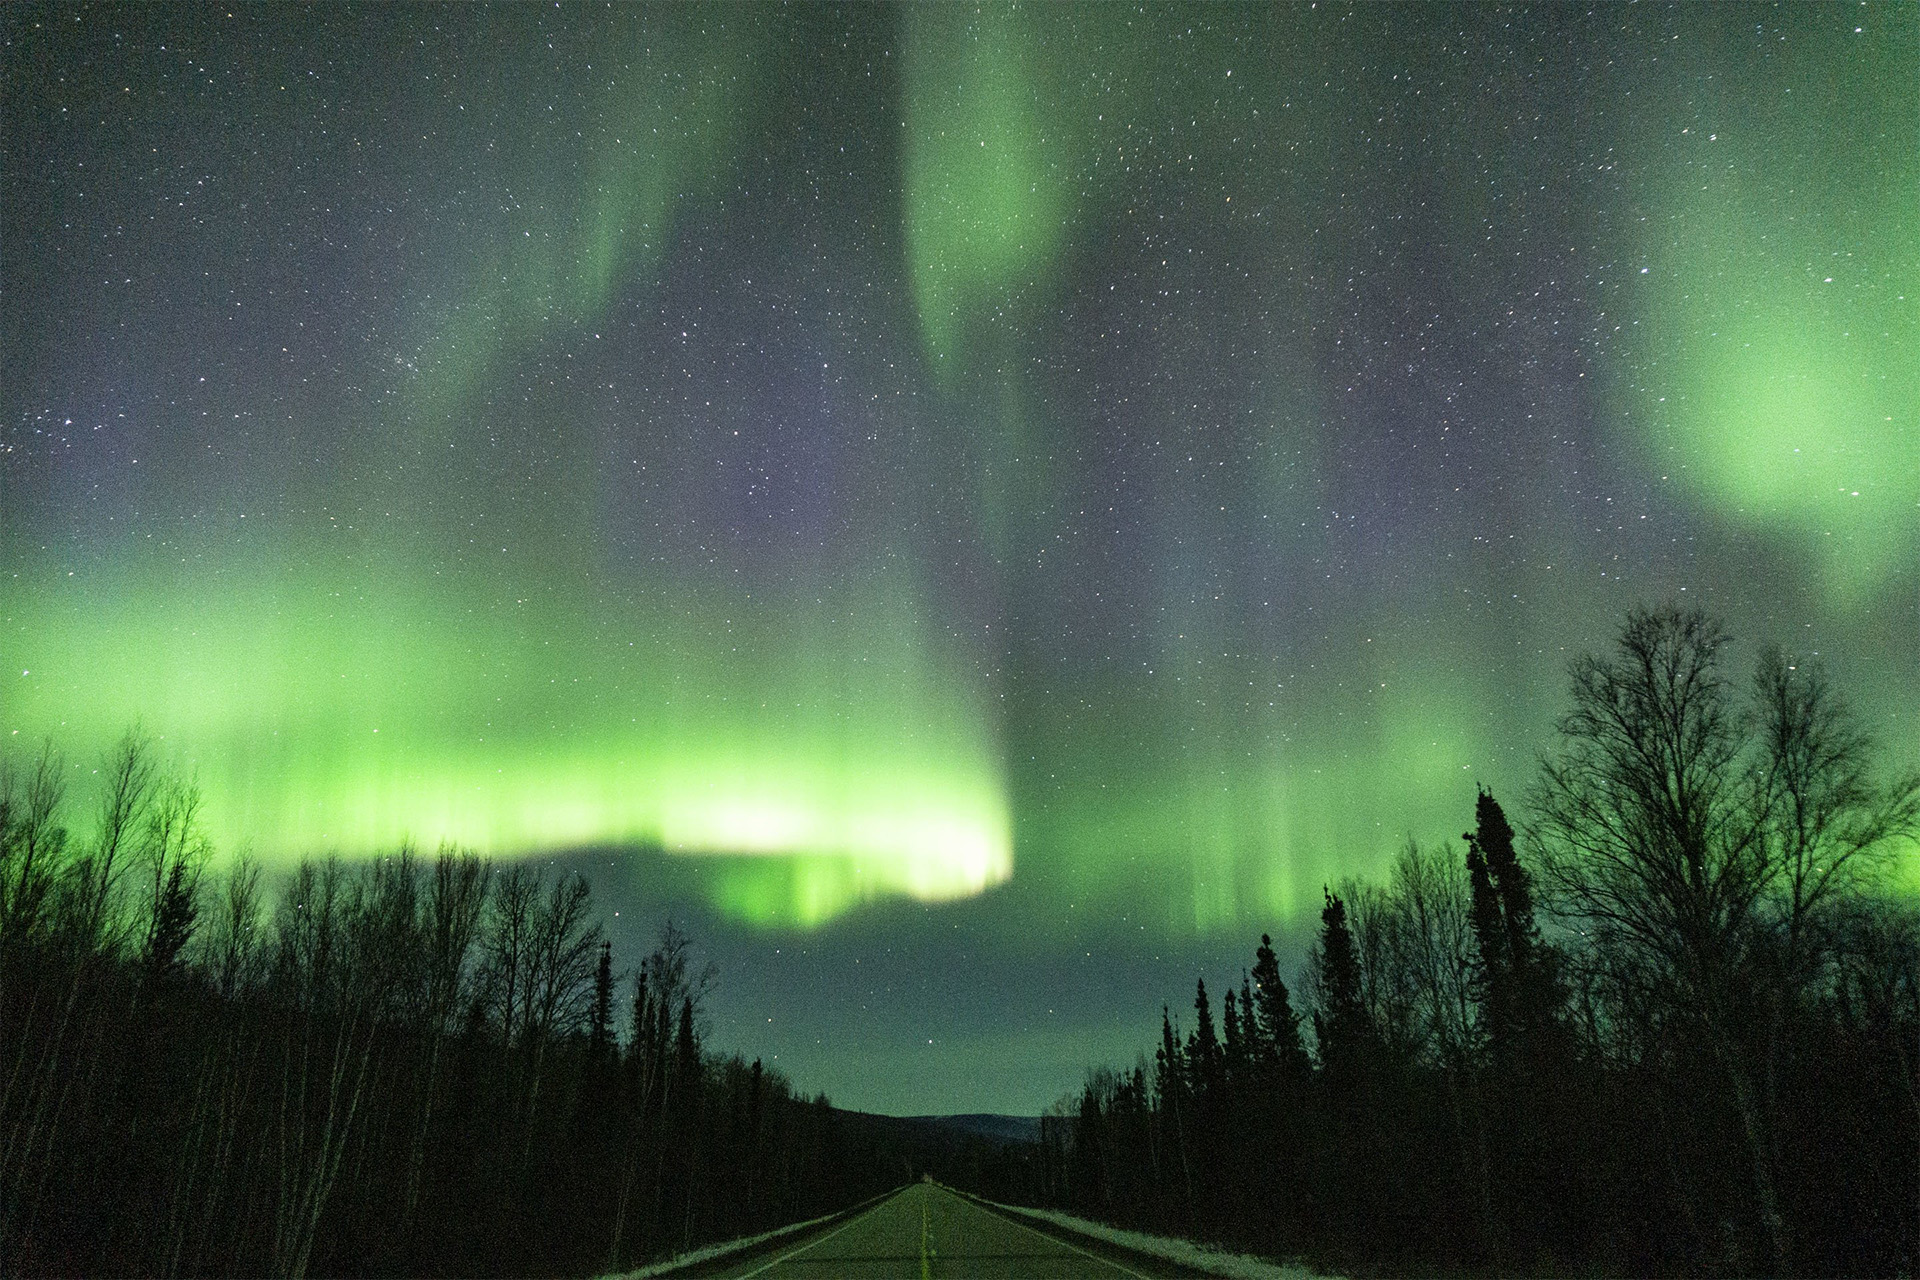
column 33, row 842
column 1173, row 1095
column 131, row 781
column 600, row 1015
column 1233, row 1049
column 1702, row 1063
column 1492, row 968
column 1341, row 1026
column 174, row 918
column 321, row 1086
column 1169, row 1061
column 1692, row 847
column 1279, row 1025
column 1203, row 1045
column 173, row 851
column 1517, row 973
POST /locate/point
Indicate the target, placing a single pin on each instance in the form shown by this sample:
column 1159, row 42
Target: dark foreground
column 925, row 1230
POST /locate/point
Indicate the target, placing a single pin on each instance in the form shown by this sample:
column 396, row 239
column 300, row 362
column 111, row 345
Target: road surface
column 926, row 1231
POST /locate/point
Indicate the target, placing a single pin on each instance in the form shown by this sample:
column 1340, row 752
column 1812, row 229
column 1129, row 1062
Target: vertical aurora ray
column 1231, row 783
column 1175, row 759
column 1160, row 459
column 485, row 612
column 576, row 206
column 984, row 173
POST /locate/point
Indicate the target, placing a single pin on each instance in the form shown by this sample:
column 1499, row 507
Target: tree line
column 1669, row 1026
column 411, row 1065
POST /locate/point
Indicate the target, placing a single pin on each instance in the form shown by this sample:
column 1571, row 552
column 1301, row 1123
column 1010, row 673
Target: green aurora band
column 661, row 128
column 1780, row 317
column 326, row 712
column 381, row 664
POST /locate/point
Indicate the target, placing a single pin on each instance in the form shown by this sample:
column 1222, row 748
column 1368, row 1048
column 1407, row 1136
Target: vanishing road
column 927, row 1231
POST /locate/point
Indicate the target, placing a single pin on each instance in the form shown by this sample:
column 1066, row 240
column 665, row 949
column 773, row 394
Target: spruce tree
column 1519, row 993
column 1203, row 1047
column 1171, row 1088
column 1258, row 1050
column 174, row 917
column 1341, row 1024
column 1519, row 985
column 1169, row 1062
column 1535, row 981
column 1279, row 1025
column 1235, row 1044
column 1493, row 969
column 1493, row 836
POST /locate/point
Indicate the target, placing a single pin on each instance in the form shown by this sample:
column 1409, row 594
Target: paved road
column 928, row 1231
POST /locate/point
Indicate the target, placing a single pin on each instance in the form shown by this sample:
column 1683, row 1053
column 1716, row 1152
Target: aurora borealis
column 983, row 484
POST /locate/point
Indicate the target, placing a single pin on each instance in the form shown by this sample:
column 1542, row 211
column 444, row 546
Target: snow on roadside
column 705, row 1252
column 1237, row 1266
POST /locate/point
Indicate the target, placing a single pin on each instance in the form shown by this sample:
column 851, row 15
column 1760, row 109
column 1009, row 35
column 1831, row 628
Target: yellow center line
column 926, row 1262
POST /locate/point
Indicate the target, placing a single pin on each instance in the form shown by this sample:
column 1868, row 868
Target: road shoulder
column 1106, row 1250
column 730, row 1256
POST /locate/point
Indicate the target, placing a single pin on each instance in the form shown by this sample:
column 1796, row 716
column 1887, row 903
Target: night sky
column 980, row 512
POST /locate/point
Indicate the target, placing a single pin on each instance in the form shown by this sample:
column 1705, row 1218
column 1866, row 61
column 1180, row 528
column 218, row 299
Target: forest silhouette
column 1667, row 1025
column 1678, row 1037
column 406, row 1066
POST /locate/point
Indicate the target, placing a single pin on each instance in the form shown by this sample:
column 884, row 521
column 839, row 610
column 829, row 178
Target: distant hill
column 991, row 1155
column 992, row 1127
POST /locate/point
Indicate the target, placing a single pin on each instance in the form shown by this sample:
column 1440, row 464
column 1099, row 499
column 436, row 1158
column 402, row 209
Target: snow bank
column 715, row 1250
column 1238, row 1266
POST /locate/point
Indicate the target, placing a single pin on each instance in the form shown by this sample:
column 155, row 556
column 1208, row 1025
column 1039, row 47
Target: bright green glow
column 322, row 712
column 1777, row 325
column 1214, row 797
column 984, row 216
column 817, row 738
column 813, row 730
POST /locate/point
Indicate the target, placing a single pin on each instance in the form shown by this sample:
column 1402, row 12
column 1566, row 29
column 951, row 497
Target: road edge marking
column 1050, row 1239
column 768, row 1266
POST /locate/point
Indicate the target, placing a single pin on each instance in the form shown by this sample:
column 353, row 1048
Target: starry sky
column 980, row 511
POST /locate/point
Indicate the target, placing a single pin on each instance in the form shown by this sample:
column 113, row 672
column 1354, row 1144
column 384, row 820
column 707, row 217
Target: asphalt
column 926, row 1232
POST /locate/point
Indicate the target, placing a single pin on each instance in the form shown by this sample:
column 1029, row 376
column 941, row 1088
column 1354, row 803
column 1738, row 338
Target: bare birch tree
column 1690, row 845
